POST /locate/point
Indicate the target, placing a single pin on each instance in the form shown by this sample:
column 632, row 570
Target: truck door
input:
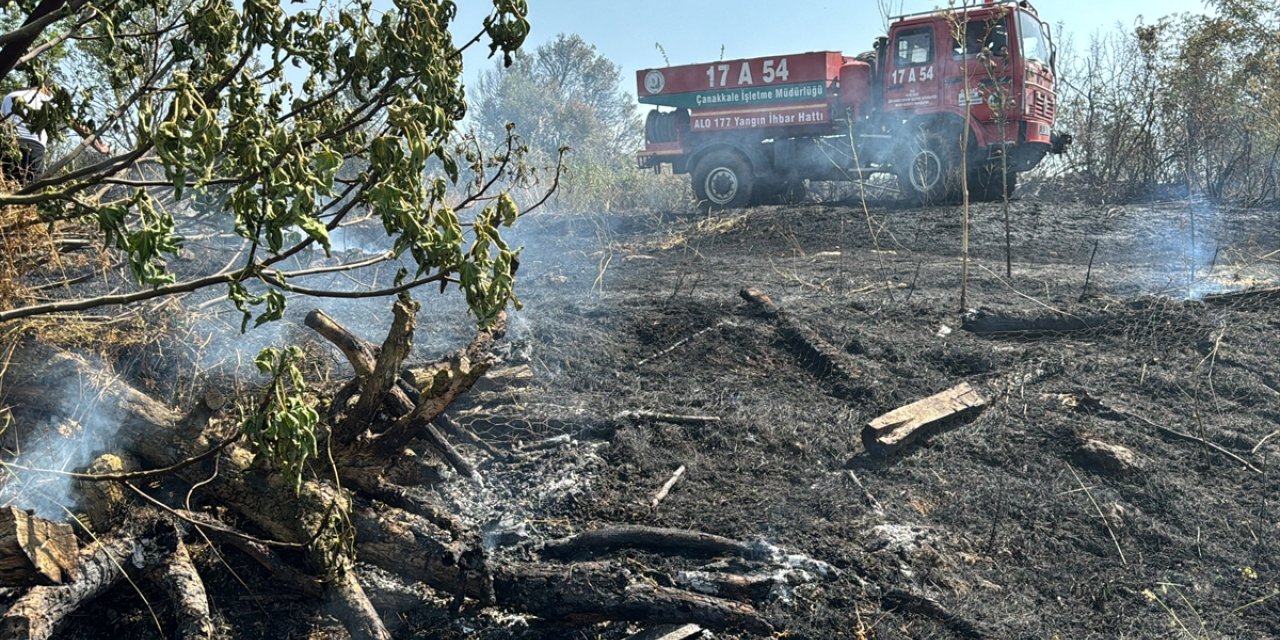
column 984, row 58
column 912, row 78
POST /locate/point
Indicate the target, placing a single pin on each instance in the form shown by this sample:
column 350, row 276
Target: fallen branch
column 818, row 355
column 672, row 418
column 679, row 344
column 669, row 541
column 1190, row 438
column 38, row 613
column 1270, row 294
column 666, row 488
column 584, row 593
column 922, row 605
column 179, row 578
column 875, row 504
column 458, row 431
column 1264, row 441
column 669, row 632
column 982, row 323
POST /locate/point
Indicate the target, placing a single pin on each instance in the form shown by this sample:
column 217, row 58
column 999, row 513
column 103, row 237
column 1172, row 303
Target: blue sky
column 694, row 30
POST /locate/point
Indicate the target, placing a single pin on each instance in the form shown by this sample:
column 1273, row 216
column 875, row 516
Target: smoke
column 1184, row 249
column 78, row 426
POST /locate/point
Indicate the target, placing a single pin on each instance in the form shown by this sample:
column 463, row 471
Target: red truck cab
column 973, row 83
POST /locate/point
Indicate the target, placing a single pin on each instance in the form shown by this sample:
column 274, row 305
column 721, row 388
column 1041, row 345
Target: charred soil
column 1118, row 484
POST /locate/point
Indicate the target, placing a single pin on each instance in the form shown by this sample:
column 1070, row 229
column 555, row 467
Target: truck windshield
column 1035, row 44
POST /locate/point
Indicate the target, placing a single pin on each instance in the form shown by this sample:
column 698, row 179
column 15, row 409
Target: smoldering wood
column 35, row 551
column 39, row 612
column 895, row 430
column 449, row 558
column 161, row 438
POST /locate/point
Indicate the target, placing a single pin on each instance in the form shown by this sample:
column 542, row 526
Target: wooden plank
column 35, row 551
column 892, row 431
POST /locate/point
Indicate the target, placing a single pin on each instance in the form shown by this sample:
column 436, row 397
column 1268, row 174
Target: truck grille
column 1044, row 104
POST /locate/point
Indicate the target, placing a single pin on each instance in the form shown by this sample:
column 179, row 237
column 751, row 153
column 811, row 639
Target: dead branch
column 359, row 353
column 386, row 370
column 671, row 418
column 923, row 605
column 1173, row 433
column 1230, row 298
column 666, row 488
column 458, row 431
column 818, row 355
column 680, row 343
column 983, row 323
column 586, row 592
column 669, row 541
column 669, row 632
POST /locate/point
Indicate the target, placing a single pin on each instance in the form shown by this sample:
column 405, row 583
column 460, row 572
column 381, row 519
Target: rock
column 1111, row 458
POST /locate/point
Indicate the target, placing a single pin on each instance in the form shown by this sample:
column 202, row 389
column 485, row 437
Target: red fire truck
column 749, row 129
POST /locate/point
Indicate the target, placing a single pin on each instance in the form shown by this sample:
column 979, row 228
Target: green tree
column 564, row 94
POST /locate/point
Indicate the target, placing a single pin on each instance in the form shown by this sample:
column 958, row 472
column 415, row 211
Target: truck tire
column 986, row 184
column 723, row 180
column 929, row 168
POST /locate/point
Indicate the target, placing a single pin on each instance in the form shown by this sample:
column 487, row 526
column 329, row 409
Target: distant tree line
column 1189, row 101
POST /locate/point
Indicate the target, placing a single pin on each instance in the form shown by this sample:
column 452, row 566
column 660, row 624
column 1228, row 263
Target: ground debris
column 1111, row 458
column 892, row 431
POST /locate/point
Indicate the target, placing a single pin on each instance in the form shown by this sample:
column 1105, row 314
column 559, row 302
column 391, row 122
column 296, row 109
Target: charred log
column 35, row 551
column 992, row 325
column 38, row 613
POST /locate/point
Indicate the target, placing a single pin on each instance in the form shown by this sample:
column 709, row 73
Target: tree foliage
column 284, row 122
column 1190, row 100
column 564, row 94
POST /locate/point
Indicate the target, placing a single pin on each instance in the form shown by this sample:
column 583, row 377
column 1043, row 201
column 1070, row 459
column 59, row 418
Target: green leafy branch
column 283, row 429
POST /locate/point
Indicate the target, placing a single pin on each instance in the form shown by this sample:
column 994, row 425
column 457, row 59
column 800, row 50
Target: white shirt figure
column 34, row 99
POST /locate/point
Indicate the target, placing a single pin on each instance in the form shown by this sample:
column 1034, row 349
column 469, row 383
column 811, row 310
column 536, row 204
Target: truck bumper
column 655, row 154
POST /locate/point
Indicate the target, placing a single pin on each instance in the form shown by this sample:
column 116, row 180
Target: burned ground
column 1007, row 525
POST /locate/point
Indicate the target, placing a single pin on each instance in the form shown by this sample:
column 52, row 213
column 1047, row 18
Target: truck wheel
column 928, row 170
column 986, row 184
column 723, row 180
